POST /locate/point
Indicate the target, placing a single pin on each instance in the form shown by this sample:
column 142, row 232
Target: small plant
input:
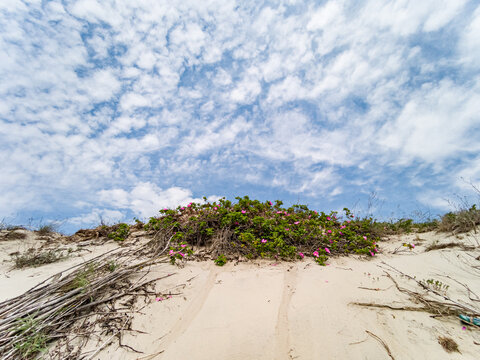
column 46, row 229
column 180, row 252
column 112, row 266
column 32, row 340
column 33, row 258
column 436, row 285
column 120, row 233
column 220, row 260
column 320, row 259
column 448, row 344
column 83, row 278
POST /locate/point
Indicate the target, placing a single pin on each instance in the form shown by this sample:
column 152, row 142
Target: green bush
column 220, row 260
column 120, row 232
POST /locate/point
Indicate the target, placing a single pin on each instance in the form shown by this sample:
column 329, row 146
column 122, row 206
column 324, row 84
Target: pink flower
column 464, row 328
column 158, row 299
column 183, row 245
column 244, row 212
column 342, row 227
column 301, row 255
column 182, row 208
column 279, row 212
column 170, row 252
column 376, row 250
column 189, row 205
column 270, row 203
column 297, row 222
column 329, row 231
column 236, row 222
column 413, row 245
column 348, row 221
column 328, row 218
column 327, row 250
column 371, row 253
column 364, row 237
column 264, row 241
column 331, row 241
column 315, row 253
column 165, row 209
column 340, row 233
column 182, row 254
column 287, row 229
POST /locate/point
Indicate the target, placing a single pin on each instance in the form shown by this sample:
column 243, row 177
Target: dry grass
column 448, row 344
column 35, row 258
column 46, row 229
column 448, row 246
column 460, row 221
column 14, row 235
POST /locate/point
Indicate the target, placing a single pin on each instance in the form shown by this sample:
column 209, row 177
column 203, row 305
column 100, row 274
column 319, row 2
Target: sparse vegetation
column 35, row 258
column 436, row 285
column 46, row 229
column 448, row 344
column 437, row 246
column 33, row 340
column 14, row 235
column 460, row 221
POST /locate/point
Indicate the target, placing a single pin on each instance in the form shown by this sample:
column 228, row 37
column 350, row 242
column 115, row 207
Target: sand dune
column 300, row 310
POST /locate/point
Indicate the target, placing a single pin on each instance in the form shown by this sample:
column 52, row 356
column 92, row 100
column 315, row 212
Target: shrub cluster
column 119, row 232
column 460, row 221
column 254, row 229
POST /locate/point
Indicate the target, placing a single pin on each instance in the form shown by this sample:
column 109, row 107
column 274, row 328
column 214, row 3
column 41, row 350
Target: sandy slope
column 268, row 310
column 14, row 282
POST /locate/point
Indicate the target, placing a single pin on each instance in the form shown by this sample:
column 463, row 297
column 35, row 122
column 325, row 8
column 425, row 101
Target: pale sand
column 269, row 310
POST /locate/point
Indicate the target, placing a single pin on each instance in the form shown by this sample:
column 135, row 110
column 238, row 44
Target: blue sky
column 116, row 109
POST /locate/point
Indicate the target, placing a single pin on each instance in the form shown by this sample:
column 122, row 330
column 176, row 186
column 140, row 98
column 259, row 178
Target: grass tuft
column 448, row 344
column 46, row 229
column 32, row 341
column 34, row 258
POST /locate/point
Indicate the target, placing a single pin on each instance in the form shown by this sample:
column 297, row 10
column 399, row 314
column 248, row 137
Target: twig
column 381, row 342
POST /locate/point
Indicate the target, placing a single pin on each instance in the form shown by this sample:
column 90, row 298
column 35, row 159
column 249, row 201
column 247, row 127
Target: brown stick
column 381, row 342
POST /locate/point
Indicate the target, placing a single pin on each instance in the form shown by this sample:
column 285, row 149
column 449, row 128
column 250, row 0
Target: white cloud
column 469, row 45
column 435, row 124
column 109, row 95
column 146, row 199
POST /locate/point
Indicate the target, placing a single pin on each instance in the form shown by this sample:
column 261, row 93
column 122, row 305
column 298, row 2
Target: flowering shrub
column 180, row 251
column 254, row 229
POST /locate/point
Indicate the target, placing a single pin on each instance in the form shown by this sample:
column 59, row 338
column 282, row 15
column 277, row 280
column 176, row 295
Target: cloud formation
column 127, row 107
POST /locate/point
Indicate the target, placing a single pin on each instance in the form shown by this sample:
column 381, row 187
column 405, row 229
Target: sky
column 111, row 110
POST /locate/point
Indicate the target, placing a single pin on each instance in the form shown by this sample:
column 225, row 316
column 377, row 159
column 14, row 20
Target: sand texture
column 350, row 309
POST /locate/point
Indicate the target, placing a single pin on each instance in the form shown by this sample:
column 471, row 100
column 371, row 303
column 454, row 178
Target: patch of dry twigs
column 78, row 303
column 438, row 304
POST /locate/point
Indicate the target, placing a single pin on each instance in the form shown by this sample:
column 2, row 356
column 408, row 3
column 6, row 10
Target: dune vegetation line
column 55, row 311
